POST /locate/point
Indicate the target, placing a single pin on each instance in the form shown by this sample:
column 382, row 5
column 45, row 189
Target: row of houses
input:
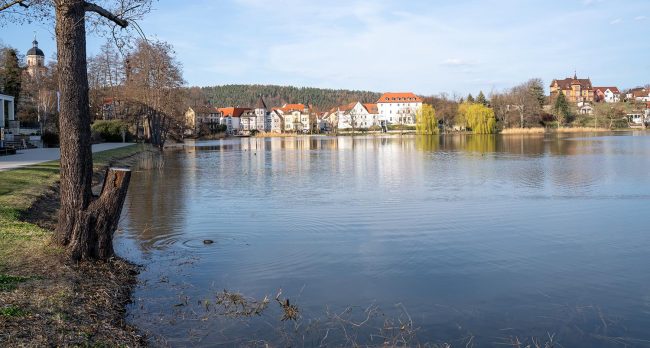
column 390, row 109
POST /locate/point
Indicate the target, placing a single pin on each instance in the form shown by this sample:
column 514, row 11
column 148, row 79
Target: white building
column 355, row 115
column 296, row 117
column 275, row 122
column 607, row 94
column 230, row 117
column 8, row 124
column 35, row 59
column 398, row 108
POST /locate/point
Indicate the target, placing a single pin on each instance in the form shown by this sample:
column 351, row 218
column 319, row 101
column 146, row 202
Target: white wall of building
column 398, row 112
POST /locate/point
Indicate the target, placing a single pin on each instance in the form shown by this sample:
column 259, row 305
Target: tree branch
column 12, row 3
column 90, row 7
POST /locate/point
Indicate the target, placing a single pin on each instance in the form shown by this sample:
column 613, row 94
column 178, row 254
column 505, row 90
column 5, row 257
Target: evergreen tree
column 561, row 109
column 481, row 99
column 10, row 73
column 537, row 90
column 470, row 98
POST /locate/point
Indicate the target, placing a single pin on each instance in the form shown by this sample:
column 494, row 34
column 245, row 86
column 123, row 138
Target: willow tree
column 426, row 122
column 86, row 223
column 479, row 118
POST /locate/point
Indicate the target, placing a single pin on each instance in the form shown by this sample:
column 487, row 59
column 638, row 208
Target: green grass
column 8, row 282
column 12, row 311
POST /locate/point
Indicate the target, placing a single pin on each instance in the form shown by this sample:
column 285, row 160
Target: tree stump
column 92, row 236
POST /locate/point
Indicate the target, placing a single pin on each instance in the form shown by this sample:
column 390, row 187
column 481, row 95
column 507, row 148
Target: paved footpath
column 34, row 156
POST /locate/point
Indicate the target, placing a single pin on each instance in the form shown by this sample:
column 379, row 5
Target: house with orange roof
column 296, row 118
column 607, row 94
column 398, row 108
column 230, row 116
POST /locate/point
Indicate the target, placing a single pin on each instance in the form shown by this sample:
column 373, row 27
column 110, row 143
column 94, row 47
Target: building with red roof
column 398, row 108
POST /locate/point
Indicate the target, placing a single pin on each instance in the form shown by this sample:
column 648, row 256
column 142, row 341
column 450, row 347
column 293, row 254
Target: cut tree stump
column 95, row 242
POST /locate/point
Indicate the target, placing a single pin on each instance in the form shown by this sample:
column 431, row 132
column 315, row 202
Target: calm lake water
column 470, row 240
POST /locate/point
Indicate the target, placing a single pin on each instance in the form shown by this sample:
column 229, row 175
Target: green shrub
column 111, row 130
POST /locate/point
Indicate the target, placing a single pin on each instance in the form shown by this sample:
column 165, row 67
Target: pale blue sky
column 389, row 45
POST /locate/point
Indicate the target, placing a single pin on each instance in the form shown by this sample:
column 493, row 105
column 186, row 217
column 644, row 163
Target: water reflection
column 472, row 234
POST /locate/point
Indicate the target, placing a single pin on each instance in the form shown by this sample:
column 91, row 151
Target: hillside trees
column 276, row 96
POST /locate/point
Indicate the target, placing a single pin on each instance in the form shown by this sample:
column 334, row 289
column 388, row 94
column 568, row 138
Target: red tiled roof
column 371, row 108
column 569, row 81
column 232, row 111
column 291, row 107
column 403, row 97
column 603, row 89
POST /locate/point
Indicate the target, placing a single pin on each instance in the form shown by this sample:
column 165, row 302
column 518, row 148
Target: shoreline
column 46, row 300
column 507, row 131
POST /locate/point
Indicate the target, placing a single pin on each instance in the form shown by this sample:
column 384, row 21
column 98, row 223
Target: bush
column 50, row 139
column 111, row 131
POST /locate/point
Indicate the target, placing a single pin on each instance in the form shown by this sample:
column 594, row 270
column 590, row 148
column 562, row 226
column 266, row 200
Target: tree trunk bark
column 74, row 119
column 86, row 226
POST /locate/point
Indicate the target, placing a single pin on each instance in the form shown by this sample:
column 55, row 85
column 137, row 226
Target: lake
column 469, row 240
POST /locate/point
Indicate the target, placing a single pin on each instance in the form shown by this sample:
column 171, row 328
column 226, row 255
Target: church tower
column 35, row 59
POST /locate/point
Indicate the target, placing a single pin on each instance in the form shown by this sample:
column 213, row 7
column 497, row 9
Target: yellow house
column 575, row 90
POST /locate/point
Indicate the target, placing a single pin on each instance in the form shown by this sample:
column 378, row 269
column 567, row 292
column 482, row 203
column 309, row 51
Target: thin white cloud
column 640, row 18
column 616, row 21
column 456, row 62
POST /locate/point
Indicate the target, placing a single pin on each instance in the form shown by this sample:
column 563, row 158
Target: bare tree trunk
column 74, row 119
column 86, row 226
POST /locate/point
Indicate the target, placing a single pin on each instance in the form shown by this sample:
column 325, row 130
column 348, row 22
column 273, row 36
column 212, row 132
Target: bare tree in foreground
column 86, row 224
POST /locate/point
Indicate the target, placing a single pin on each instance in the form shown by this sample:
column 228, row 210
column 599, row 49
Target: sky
column 424, row 46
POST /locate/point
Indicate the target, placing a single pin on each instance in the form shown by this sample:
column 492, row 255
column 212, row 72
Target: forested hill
column 274, row 96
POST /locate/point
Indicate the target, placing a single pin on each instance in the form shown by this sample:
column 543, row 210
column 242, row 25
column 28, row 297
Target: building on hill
column 35, row 60
column 639, row 94
column 201, row 120
column 607, row 94
column 574, row 89
column 398, row 108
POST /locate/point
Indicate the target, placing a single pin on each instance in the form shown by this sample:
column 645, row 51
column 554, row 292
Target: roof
column 291, row 107
column 232, row 111
column 261, row 104
column 401, row 97
column 569, row 81
column 204, row 109
column 35, row 51
column 613, row 89
column 640, row 93
column 371, row 108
